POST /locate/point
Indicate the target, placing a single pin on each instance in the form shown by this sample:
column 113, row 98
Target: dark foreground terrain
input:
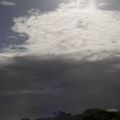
column 90, row 114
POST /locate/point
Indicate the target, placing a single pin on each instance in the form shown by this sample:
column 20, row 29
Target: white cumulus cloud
column 77, row 28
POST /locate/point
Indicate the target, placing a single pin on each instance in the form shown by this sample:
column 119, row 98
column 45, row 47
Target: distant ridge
column 89, row 114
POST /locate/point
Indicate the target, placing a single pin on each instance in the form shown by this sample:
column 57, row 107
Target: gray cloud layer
column 109, row 4
column 37, row 86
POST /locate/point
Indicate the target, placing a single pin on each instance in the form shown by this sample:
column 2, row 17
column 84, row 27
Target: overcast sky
column 58, row 55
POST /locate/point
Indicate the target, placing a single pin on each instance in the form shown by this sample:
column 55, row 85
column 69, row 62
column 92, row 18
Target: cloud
column 11, row 37
column 75, row 27
column 109, row 4
column 44, row 78
column 48, row 85
column 7, row 3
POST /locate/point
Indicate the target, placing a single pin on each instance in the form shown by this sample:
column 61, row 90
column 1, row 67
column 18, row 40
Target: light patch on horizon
column 76, row 29
column 7, row 3
column 6, row 59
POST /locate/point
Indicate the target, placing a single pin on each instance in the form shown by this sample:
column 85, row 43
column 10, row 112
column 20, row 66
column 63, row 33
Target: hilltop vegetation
column 90, row 114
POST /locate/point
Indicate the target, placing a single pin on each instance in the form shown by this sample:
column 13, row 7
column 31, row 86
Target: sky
column 58, row 55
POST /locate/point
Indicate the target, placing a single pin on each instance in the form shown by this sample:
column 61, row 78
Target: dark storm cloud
column 38, row 87
column 109, row 4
